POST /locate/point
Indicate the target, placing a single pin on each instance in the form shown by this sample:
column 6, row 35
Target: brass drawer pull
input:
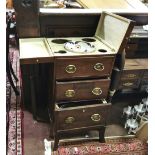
column 99, row 67
column 131, row 75
column 127, row 84
column 96, row 117
column 69, row 120
column 70, row 69
column 97, row 91
column 70, row 93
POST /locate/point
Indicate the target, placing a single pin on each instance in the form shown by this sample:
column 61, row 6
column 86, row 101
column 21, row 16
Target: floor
column 35, row 132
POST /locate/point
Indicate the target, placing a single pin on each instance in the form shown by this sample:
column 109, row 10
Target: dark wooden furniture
column 27, row 16
column 78, row 83
column 81, row 81
column 130, row 73
column 82, row 93
column 134, row 72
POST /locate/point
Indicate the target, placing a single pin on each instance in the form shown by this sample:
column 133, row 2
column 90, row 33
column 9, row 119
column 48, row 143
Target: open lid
column 114, row 31
column 34, row 50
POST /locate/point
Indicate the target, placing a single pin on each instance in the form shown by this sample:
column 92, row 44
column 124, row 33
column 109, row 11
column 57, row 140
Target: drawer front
column 82, row 90
column 131, row 74
column 83, row 67
column 129, row 84
column 84, row 116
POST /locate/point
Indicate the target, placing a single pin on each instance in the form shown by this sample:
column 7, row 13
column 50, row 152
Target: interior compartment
column 80, row 103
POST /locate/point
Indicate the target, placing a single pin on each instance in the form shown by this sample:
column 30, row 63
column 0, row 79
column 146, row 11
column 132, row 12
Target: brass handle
column 99, row 67
column 97, row 91
column 70, row 69
column 69, row 120
column 70, row 93
column 131, row 75
column 127, row 84
column 96, row 117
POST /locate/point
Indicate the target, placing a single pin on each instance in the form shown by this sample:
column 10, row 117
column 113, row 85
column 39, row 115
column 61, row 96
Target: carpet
column 14, row 112
column 118, row 146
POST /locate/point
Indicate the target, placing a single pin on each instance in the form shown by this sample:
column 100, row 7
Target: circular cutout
column 102, row 50
column 59, row 41
column 89, row 39
column 61, row 51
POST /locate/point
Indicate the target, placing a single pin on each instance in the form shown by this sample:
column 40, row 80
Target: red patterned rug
column 14, row 117
column 119, row 146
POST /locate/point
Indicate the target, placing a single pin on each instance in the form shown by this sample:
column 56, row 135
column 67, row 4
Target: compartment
column 83, row 67
column 82, row 90
column 91, row 113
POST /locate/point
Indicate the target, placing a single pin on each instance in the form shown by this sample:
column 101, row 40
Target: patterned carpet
column 14, row 118
column 119, row 146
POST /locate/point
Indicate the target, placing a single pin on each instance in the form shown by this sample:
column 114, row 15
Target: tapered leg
column 101, row 135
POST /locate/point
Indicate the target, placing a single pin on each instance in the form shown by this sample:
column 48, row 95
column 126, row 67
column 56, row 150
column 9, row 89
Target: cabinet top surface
column 110, row 37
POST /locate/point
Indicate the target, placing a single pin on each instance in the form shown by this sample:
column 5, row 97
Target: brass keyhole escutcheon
column 96, row 117
column 97, row 91
column 69, row 120
column 70, row 93
column 99, row 67
column 70, row 69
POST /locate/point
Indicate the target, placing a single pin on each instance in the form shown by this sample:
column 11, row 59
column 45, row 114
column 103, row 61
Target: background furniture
column 130, row 73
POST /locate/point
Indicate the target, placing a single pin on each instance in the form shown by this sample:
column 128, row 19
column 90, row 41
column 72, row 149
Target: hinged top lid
column 34, row 50
column 114, row 31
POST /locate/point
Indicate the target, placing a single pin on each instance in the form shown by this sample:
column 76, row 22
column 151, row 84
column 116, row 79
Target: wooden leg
column 56, row 141
column 101, row 135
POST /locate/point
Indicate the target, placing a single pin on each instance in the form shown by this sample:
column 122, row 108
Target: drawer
column 83, row 67
column 81, row 114
column 131, row 74
column 82, row 90
column 129, row 84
